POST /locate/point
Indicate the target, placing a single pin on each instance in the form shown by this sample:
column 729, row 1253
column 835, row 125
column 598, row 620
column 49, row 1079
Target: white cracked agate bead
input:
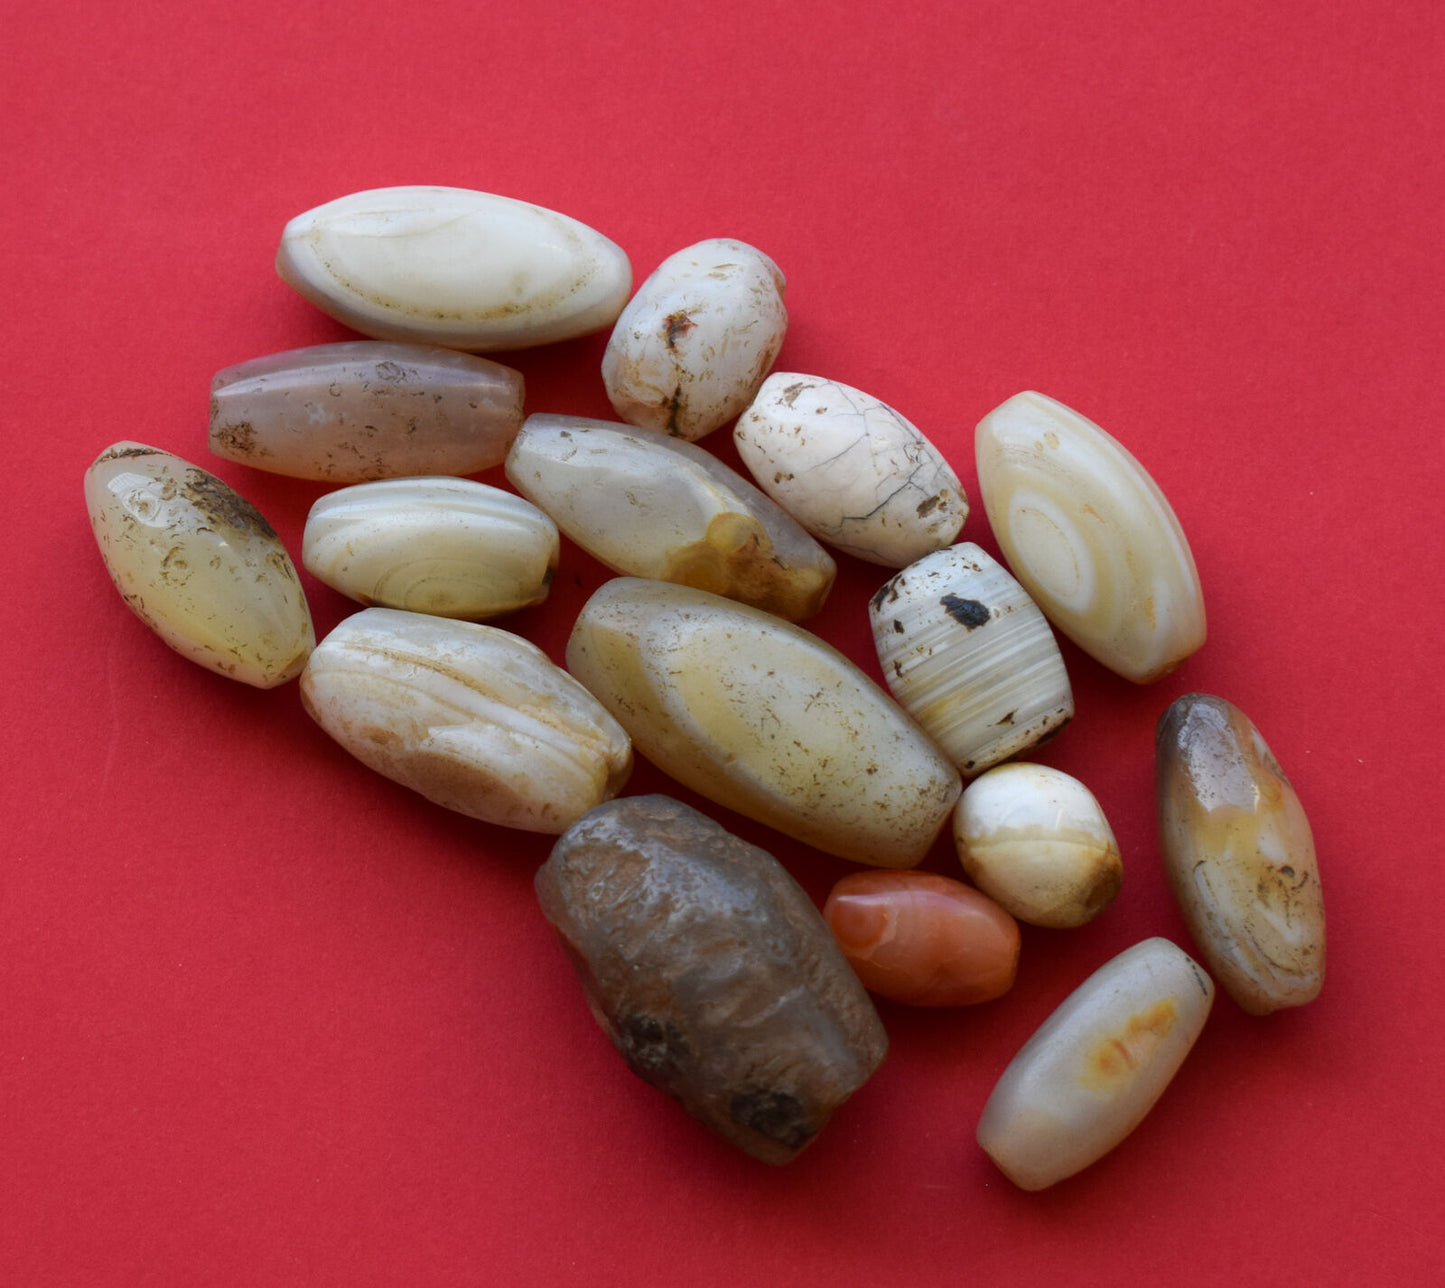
column 969, row 656
column 1035, row 840
column 1090, row 535
column 474, row 718
column 199, row 565
column 1097, row 1065
column 763, row 718
column 649, row 506
column 447, row 546
column 850, row 469
column 449, row 266
column 696, row 341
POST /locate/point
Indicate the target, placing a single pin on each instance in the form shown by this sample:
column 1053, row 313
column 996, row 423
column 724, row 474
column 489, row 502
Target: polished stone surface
column 711, row 971
column 922, row 939
column 199, row 565
column 764, row 718
column 365, row 409
column 1239, row 854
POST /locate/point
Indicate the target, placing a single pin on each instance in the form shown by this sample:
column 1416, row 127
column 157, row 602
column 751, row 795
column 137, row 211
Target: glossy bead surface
column 365, row 409
column 1239, row 854
column 449, row 266
column 1090, row 535
column 922, row 939
column 650, row 506
column 199, row 565
column 1096, row 1066
column 763, row 718
column 1036, row 840
column 711, row 972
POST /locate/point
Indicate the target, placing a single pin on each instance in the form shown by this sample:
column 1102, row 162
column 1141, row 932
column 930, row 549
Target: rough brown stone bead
column 923, row 939
column 711, row 971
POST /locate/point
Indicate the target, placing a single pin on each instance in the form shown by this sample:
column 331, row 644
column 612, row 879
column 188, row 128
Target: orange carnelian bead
column 923, row 939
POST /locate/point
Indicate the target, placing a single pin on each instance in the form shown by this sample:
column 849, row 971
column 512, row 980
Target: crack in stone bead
column 1239, row 855
column 711, row 972
column 199, row 565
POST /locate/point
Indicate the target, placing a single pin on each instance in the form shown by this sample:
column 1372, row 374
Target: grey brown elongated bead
column 1096, row 1066
column 199, row 565
column 651, row 506
column 366, row 409
column 969, row 656
column 474, row 718
column 1240, row 855
column 711, row 971
column 763, row 718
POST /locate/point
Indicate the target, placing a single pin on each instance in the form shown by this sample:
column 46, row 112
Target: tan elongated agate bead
column 446, row 546
column 365, row 409
column 474, row 718
column 1240, row 856
column 850, row 469
column 199, row 565
column 710, row 970
column 449, row 266
column 1097, row 1065
column 970, row 657
column 694, row 344
column 650, row 506
column 1035, row 839
column 922, row 939
column 763, row 718
column 1090, row 535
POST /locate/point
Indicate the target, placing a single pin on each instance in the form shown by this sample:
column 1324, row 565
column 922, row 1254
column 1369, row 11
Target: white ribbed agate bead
column 447, row 546
column 449, row 266
column 763, row 718
column 649, row 506
column 850, row 469
column 970, row 657
column 694, row 344
column 1090, row 535
column 1096, row 1066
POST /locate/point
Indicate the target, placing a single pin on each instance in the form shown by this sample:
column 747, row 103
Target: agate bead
column 922, row 939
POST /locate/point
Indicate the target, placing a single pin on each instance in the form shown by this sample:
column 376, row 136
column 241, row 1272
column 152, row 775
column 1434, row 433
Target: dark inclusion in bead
column 711, row 971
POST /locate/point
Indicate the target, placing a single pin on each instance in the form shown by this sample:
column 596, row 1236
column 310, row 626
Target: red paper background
column 268, row 1019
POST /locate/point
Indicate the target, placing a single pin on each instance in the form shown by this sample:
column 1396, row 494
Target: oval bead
column 696, row 341
column 850, row 469
column 1239, row 854
column 1035, row 839
column 1096, row 1066
column 1090, row 535
column 365, row 409
column 763, row 718
column 710, row 970
column 449, row 266
column 969, row 656
column 474, row 718
column 922, row 939
column 649, row 506
column 446, row 546
column 199, row 565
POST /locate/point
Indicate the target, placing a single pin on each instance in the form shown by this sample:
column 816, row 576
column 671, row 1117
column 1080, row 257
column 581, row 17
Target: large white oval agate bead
column 446, row 546
column 1090, row 535
column 474, row 718
column 199, row 565
column 449, row 266
column 649, row 506
column 763, row 718
column 1096, row 1066
column 692, row 348
column 850, row 469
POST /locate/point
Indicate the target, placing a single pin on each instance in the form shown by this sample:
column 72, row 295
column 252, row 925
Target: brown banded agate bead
column 711, row 971
column 923, row 939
